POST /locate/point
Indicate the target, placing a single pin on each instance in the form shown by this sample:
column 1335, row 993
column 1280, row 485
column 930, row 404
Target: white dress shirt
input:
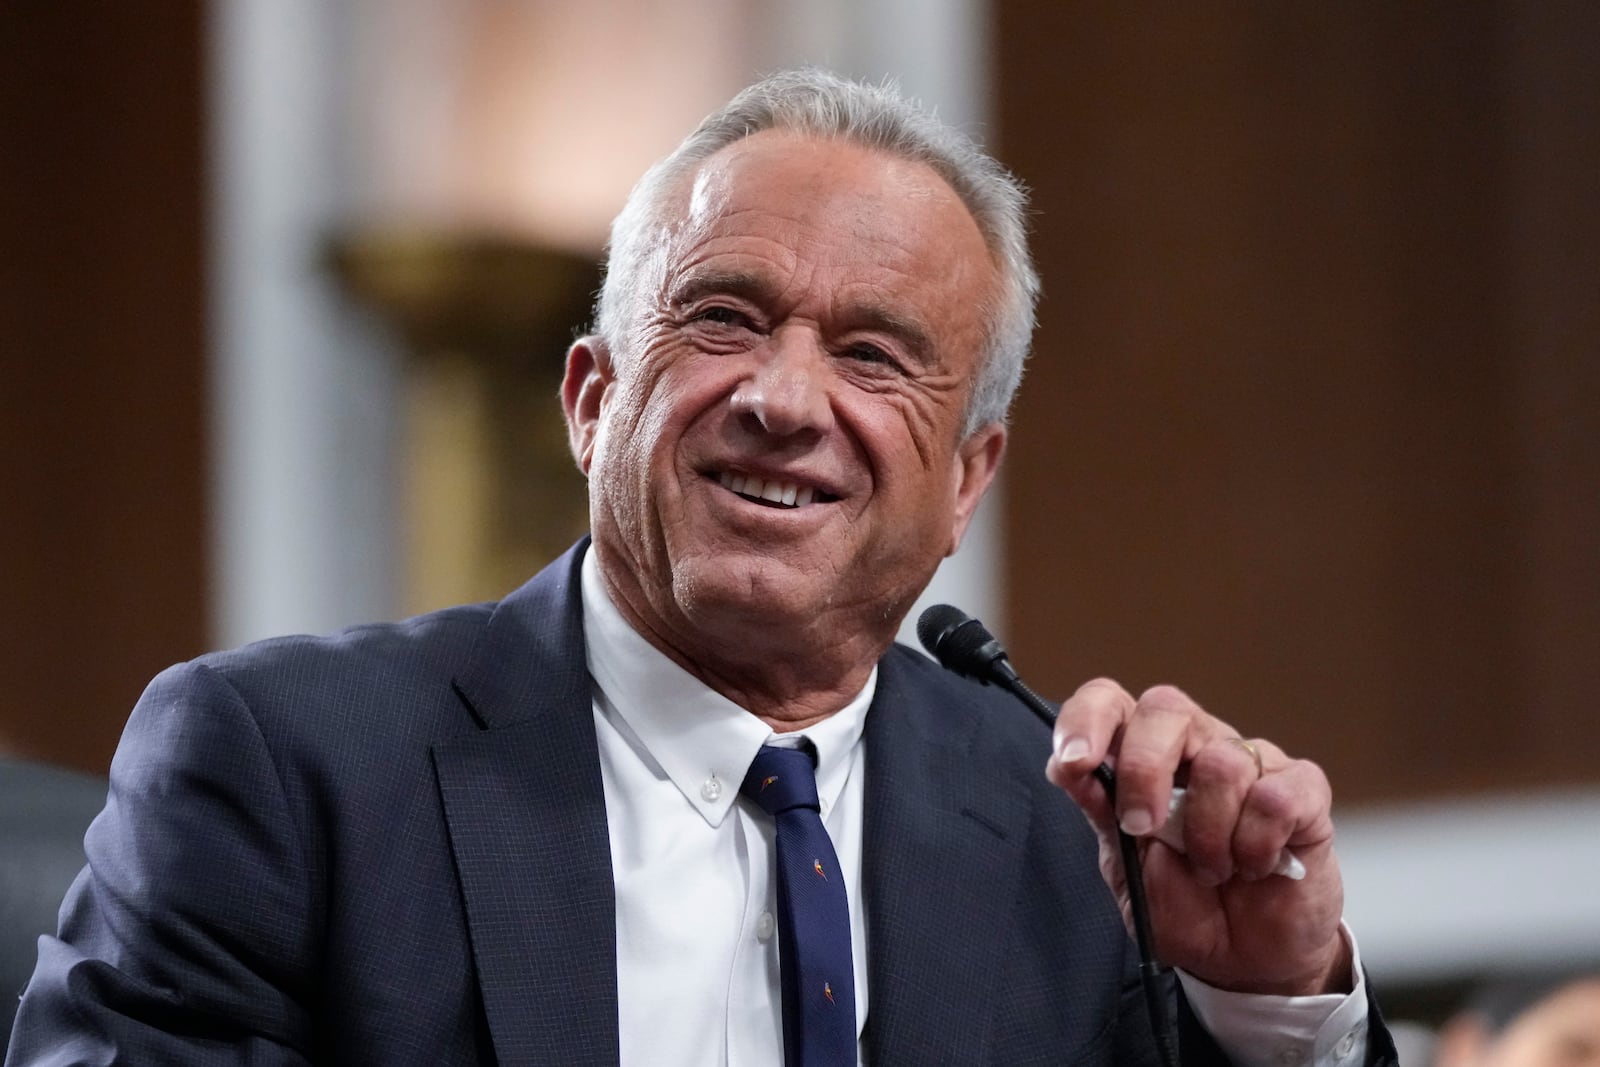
column 697, row 945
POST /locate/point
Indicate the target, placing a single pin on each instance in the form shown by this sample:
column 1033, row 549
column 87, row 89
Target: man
column 513, row 833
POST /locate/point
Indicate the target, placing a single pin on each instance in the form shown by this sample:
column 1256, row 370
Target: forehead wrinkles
column 797, row 241
column 801, row 234
column 687, row 238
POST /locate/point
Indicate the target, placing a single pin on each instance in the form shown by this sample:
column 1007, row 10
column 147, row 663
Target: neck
column 789, row 677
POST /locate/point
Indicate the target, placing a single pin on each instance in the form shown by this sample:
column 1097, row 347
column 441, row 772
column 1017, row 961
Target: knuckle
column 1316, row 778
column 1163, row 696
column 1105, row 689
column 1273, row 803
column 1218, row 763
column 1138, row 763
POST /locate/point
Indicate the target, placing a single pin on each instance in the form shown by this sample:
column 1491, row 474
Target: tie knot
column 780, row 779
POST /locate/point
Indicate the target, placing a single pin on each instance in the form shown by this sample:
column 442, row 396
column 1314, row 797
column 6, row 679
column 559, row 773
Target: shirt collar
column 700, row 739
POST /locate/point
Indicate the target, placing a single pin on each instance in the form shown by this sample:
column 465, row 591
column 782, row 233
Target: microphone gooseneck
column 964, row 645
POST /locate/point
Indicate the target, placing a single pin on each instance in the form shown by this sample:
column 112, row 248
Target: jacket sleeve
column 189, row 937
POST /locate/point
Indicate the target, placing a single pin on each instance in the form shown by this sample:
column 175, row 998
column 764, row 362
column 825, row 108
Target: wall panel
column 101, row 366
column 1311, row 428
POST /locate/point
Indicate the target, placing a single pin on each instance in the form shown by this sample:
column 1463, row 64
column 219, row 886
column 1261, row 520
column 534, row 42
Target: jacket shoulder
column 365, row 696
column 951, row 704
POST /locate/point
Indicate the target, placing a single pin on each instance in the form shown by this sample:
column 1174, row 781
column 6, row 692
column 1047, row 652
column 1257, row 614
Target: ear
column 583, row 388
column 977, row 461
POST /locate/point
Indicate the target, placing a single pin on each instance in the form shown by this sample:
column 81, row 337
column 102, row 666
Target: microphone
column 964, row 645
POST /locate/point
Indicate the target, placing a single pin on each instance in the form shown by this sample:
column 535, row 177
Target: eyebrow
column 909, row 332
column 744, row 284
column 760, row 290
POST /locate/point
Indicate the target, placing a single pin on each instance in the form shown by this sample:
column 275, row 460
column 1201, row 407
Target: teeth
column 786, row 493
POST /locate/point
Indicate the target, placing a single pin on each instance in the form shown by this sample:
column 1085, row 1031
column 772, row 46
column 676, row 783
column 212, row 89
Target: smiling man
column 680, row 800
column 774, row 423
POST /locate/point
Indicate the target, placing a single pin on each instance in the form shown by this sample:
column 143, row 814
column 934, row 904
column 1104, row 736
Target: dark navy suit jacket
column 389, row 847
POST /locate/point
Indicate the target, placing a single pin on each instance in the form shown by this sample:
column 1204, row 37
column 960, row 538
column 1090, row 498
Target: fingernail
column 1209, row 879
column 1072, row 751
column 1136, row 822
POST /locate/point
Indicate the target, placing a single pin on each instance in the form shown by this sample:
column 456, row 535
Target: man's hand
column 1217, row 911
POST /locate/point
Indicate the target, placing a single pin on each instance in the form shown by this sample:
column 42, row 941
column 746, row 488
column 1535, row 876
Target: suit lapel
column 943, row 847
column 526, row 813
column 525, row 807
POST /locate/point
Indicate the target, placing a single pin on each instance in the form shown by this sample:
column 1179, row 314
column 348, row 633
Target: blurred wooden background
column 1311, row 428
column 103, row 451
column 1313, row 422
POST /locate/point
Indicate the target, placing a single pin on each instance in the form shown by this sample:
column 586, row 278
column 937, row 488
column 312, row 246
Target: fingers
column 1240, row 814
column 1148, row 740
column 1087, row 726
column 1289, row 808
column 1165, row 732
column 1240, row 817
column 1221, row 777
column 1214, row 904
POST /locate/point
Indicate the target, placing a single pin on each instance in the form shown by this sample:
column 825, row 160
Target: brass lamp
column 492, row 492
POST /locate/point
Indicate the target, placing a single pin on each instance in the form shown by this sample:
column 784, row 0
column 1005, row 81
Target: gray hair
column 821, row 103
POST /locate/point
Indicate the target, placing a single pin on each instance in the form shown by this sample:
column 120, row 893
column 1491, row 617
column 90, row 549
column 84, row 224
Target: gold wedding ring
column 1255, row 754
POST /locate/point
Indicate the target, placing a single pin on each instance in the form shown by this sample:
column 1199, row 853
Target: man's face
column 778, row 453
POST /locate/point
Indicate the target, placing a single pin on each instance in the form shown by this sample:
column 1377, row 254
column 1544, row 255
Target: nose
column 787, row 390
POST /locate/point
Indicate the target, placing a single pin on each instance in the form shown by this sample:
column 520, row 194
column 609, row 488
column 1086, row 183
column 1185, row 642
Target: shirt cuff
column 1257, row 1030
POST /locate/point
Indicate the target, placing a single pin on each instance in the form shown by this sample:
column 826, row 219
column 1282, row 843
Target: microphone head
column 935, row 625
column 959, row 642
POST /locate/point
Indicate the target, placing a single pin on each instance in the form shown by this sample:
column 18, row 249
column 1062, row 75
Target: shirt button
column 764, row 926
column 711, row 789
column 1346, row 1045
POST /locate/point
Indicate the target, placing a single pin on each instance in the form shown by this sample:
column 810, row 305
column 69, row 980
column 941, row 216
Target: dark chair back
column 44, row 812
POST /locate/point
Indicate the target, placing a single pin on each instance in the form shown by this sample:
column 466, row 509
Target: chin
column 749, row 591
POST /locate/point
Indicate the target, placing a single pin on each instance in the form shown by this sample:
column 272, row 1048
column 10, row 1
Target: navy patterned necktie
column 819, row 987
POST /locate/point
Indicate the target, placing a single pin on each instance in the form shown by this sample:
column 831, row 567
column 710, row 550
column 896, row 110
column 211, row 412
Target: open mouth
column 774, row 493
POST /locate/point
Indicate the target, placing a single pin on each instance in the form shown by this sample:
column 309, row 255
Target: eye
column 865, row 352
column 718, row 315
